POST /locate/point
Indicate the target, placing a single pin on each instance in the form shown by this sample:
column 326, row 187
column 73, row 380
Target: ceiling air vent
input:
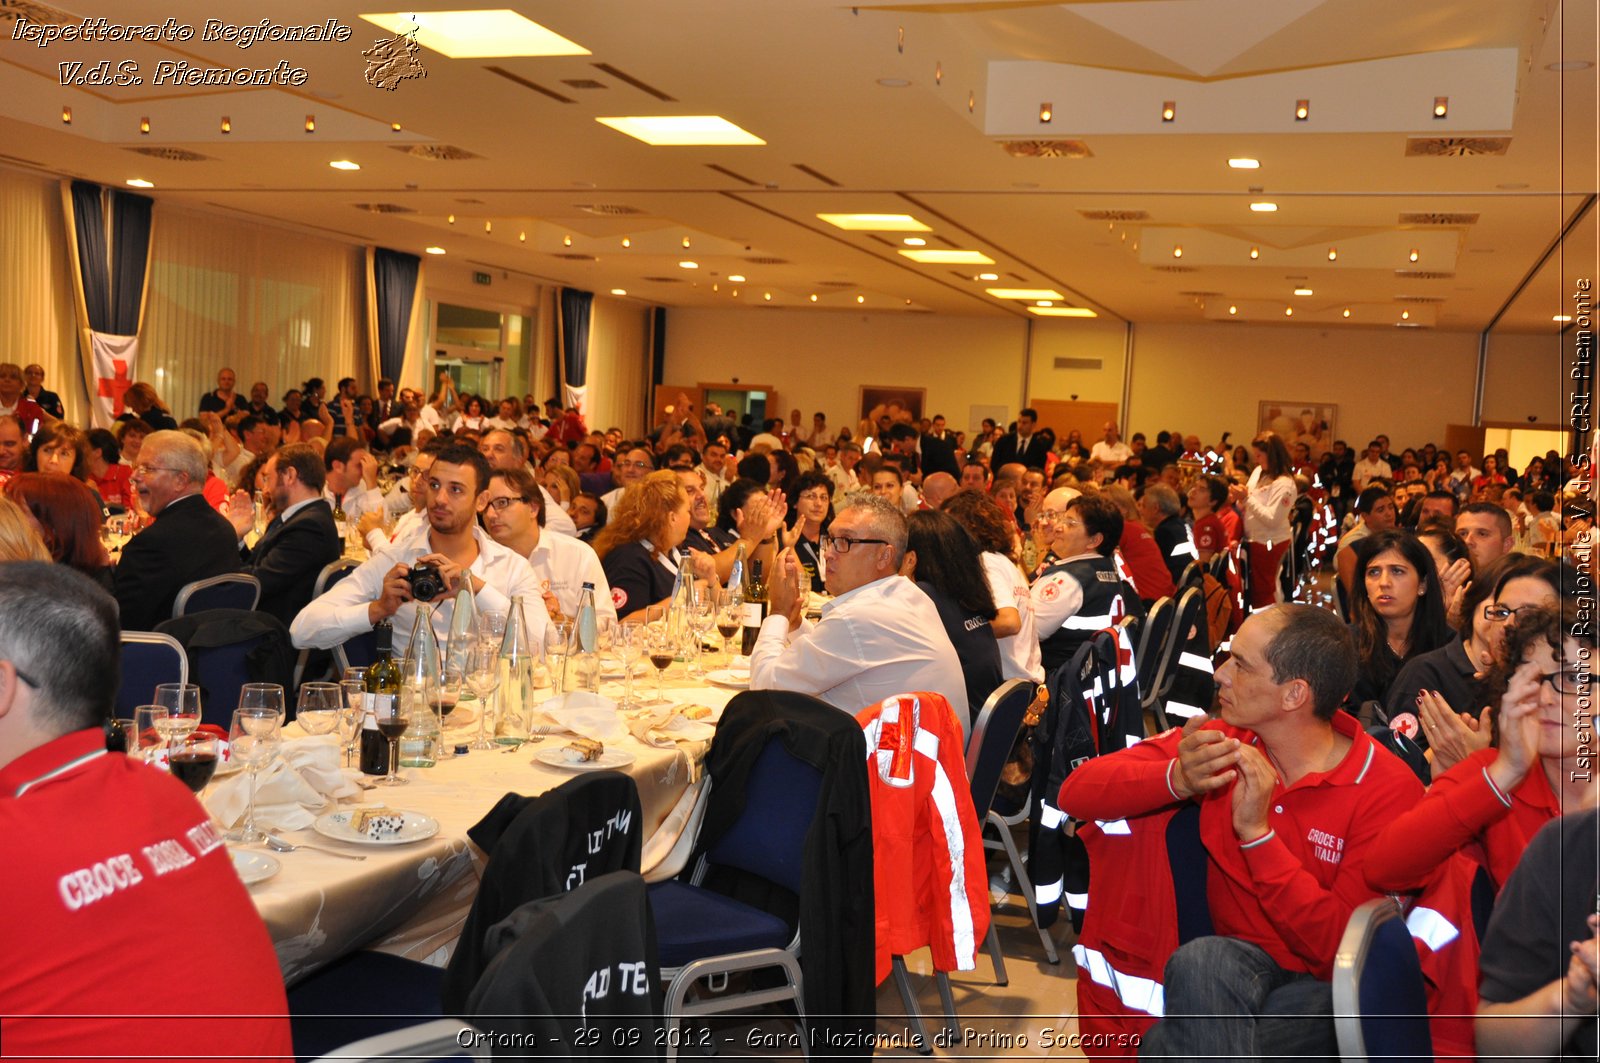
column 763, row 260
column 1175, row 269
column 1201, row 295
column 610, row 210
column 435, row 152
column 575, row 256
column 836, row 284
column 384, row 208
column 1456, row 146
column 172, row 154
column 471, row 202
column 1046, row 149
column 1423, row 274
column 1115, row 215
column 518, row 79
column 1079, row 363
column 663, row 280
column 583, row 83
column 1435, row 218
column 1419, row 299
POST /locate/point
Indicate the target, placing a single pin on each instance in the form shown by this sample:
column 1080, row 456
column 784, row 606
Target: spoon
column 278, row 845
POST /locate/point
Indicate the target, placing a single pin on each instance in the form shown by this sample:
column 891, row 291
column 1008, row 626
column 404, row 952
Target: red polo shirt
column 111, row 859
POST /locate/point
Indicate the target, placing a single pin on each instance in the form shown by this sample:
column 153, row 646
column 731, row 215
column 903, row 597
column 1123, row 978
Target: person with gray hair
column 102, row 850
column 1162, row 513
column 189, row 540
column 878, row 636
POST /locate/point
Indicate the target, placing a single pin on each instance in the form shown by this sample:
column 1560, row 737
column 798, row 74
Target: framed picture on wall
column 1313, row 423
column 896, row 402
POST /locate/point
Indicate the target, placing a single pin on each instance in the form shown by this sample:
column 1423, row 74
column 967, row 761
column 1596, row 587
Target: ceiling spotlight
column 311, row 123
column 1561, row 319
column 434, row 250
column 861, row 298
column 566, row 241
column 1045, row 112
column 1177, row 252
column 1347, row 311
column 1333, row 254
column 736, row 278
column 813, row 297
column 734, row 292
column 938, row 73
column 1441, row 106
column 972, row 101
column 716, row 287
column 767, row 296
column 686, row 242
column 144, row 127
column 1415, row 254
column 619, row 291
column 988, row 276
column 1302, row 110
column 1304, row 291
column 1245, row 164
column 688, row 264
column 627, row 241
column 140, row 182
column 66, row 116
column 522, row 238
column 344, row 164
column 394, row 127
column 1233, row 310
column 1405, row 315
column 227, row 124
column 1263, row 207
column 914, row 241
column 450, row 219
column 1169, row 110
column 1255, row 253
column 488, row 226
column 1288, row 311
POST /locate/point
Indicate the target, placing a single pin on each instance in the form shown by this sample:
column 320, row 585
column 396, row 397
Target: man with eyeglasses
column 514, row 516
column 631, row 466
column 878, row 636
column 189, row 540
column 1082, row 592
column 107, row 860
column 505, row 450
column 452, row 540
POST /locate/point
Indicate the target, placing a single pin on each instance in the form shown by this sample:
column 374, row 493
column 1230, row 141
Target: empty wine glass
column 349, row 725
column 193, row 760
column 263, row 696
column 492, row 626
column 482, row 678
column 702, row 614
column 255, row 738
column 182, row 701
column 629, row 641
column 318, row 707
column 149, row 733
column 393, row 714
column 556, row 634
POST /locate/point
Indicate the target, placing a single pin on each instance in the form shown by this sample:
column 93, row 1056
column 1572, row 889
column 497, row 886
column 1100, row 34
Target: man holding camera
column 430, row 565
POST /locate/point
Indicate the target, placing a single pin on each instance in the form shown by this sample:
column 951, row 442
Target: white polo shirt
column 563, row 565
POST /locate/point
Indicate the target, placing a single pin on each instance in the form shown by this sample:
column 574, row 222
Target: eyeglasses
column 146, row 470
column 840, row 544
column 1500, row 612
column 1566, row 681
column 499, row 504
column 634, row 465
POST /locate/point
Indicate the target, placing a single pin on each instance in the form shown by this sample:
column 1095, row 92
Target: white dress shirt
column 1019, row 653
column 881, row 639
column 357, row 501
column 557, row 519
column 341, row 613
column 563, row 565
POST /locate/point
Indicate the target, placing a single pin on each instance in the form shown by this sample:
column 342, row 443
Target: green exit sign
column 480, row 278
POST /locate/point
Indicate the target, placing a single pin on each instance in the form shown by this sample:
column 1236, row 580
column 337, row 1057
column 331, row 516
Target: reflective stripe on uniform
column 1047, row 892
column 1141, row 994
column 1178, row 708
column 1198, row 662
column 1431, row 928
column 1113, row 826
column 1049, row 818
column 1078, row 901
column 1088, row 623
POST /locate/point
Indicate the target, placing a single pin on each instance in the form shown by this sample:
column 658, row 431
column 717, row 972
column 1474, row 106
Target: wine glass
column 349, row 723
column 182, row 701
column 483, row 678
column 150, row 731
column 702, row 614
column 193, row 760
column 318, row 707
column 447, row 694
column 730, row 619
column 255, row 738
column 263, row 696
column 628, row 640
column 662, row 647
column 556, row 634
column 393, row 715
column 492, row 626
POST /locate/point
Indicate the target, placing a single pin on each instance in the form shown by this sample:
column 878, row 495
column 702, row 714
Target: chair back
column 993, row 735
column 357, row 651
column 231, row 590
column 1133, row 627
column 228, row 648
column 1152, row 639
column 1192, row 576
column 769, row 837
column 1380, row 1002
column 331, row 573
column 1188, row 862
column 148, row 658
column 1188, row 614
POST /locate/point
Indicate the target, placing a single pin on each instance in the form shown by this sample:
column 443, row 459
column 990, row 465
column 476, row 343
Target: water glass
column 483, row 678
column 556, row 634
column 267, row 696
column 318, row 707
column 182, row 701
column 255, row 737
column 149, row 732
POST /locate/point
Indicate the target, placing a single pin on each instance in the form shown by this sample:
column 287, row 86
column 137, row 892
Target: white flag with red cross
column 114, row 358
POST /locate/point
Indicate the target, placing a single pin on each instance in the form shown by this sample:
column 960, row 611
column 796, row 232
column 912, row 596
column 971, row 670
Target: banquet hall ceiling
column 931, row 109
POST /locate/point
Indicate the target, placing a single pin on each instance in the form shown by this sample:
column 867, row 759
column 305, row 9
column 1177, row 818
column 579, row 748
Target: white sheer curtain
column 36, row 315
column 271, row 304
column 619, row 366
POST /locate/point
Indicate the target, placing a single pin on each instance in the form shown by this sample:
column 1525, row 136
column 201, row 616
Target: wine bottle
column 382, row 686
column 755, row 608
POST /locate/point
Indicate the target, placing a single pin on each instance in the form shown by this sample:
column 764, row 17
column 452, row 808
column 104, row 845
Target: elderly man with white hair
column 879, row 636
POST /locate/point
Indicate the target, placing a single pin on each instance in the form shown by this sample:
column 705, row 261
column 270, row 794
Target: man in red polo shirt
column 1292, row 792
column 129, row 934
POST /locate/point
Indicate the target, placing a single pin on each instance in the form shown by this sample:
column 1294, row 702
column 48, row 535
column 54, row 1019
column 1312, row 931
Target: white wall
column 1526, row 378
column 1070, row 338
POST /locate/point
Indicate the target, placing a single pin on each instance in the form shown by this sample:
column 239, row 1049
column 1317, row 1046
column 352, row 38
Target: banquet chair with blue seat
column 148, row 659
column 1380, row 1001
column 231, row 590
column 319, row 660
column 227, row 648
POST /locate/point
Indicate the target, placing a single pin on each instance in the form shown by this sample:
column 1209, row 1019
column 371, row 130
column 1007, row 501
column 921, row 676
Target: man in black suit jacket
column 939, row 449
column 189, row 540
column 300, row 541
column 1022, row 444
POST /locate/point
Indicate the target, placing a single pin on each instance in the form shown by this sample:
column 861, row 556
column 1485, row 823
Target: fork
column 278, row 845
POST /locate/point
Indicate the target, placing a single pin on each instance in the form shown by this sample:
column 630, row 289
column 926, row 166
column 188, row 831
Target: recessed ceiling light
column 477, row 34
column 1288, row 311
column 434, row 250
column 1347, row 311
column 344, row 164
column 882, row 223
column 1414, row 255
column 1062, row 311
column 894, row 83
column 1177, row 252
column 140, row 182
column 1405, row 315
column 1302, row 110
column 1245, row 164
column 767, row 296
column 1025, row 293
column 1441, row 106
column 686, row 264
column 1255, row 253
column 619, row 291
column 1046, row 112
column 949, row 258
column 914, row 241
column 813, row 297
column 1233, row 309
column 1263, row 207
column 1333, row 254
column 1562, row 318
column 1566, row 66
column 684, row 130
column 988, row 276
column 736, row 278
column 1304, row 291
column 66, row 115
column 1169, row 110
column 861, row 298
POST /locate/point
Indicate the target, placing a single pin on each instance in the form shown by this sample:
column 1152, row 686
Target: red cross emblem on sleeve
column 115, row 386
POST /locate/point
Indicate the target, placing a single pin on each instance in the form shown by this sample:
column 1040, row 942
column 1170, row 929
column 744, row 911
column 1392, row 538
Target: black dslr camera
column 425, row 580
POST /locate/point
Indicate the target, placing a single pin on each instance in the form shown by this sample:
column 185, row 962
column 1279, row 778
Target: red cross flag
column 114, row 359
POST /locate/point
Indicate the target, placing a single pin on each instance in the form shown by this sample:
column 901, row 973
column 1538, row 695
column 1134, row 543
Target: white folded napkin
column 665, row 727
column 302, row 781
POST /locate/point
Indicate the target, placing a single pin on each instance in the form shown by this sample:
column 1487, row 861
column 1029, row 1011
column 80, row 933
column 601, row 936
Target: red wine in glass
column 193, row 768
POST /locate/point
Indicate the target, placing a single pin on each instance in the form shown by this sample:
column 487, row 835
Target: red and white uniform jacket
column 928, row 862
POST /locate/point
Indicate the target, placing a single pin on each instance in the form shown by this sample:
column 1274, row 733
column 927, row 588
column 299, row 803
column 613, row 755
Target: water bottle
column 419, row 686
column 736, row 574
column 517, row 661
column 463, row 629
column 581, row 659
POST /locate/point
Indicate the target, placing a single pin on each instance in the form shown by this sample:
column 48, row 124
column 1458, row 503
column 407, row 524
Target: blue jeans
column 1227, row 999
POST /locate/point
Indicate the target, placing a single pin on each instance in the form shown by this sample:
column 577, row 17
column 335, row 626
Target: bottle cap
column 462, row 749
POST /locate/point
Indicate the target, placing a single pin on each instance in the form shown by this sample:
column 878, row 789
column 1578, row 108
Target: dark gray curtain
column 130, row 256
column 394, row 278
column 89, row 222
column 575, row 306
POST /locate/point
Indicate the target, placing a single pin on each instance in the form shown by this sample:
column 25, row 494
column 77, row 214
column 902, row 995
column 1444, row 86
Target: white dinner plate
column 724, row 677
column 683, row 730
column 607, row 760
column 414, row 827
column 253, row 867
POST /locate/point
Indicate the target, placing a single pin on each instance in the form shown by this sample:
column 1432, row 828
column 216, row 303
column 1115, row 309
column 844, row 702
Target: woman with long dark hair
column 997, row 552
column 1396, row 611
column 942, row 560
column 1376, row 511
column 1268, row 505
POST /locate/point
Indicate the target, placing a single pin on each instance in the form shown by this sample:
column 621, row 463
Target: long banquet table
column 412, row 899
